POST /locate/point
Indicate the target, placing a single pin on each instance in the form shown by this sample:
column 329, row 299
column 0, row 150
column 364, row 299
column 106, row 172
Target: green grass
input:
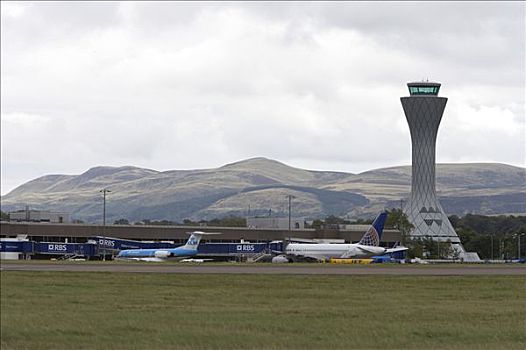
column 262, row 264
column 50, row 310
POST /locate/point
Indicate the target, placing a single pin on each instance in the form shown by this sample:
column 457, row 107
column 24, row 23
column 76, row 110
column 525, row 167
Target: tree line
column 228, row 221
column 491, row 237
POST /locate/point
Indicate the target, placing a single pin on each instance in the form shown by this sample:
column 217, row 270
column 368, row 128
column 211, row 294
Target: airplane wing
column 348, row 254
column 360, row 250
column 302, row 257
column 397, row 249
column 194, row 260
column 152, row 259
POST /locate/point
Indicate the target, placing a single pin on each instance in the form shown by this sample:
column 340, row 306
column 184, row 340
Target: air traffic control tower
column 423, row 110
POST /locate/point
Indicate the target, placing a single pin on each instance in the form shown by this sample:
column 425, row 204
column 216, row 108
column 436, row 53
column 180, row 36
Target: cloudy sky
column 197, row 85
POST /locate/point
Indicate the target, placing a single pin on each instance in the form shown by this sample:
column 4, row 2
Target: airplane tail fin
column 374, row 233
column 195, row 238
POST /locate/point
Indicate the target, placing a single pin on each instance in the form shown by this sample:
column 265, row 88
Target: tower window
column 424, row 90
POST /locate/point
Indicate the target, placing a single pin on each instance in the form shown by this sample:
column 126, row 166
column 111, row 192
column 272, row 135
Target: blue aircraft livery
column 161, row 254
column 374, row 233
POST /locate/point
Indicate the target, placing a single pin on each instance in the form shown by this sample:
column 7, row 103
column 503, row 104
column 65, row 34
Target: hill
column 263, row 184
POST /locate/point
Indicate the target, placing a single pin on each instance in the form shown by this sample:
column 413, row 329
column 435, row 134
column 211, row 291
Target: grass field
column 62, row 310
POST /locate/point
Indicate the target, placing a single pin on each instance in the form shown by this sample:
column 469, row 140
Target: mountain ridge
column 263, row 184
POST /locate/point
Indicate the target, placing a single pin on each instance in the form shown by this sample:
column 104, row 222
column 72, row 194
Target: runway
column 268, row 269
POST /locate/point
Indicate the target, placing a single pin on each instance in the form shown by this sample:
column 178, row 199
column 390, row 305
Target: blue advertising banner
column 86, row 249
column 16, row 247
column 54, row 248
column 250, row 248
column 232, row 248
column 109, row 243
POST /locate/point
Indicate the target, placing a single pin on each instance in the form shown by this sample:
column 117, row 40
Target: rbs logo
column 245, row 247
column 57, row 247
column 107, row 242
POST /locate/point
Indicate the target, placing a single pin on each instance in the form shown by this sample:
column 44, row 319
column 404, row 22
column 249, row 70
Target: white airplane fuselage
column 367, row 247
column 324, row 251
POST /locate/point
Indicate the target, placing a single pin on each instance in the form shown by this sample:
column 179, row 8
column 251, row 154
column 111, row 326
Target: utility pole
column 492, row 246
column 104, row 191
column 519, row 235
column 400, row 221
column 290, row 200
column 518, row 246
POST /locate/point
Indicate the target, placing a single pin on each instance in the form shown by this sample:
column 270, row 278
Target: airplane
column 162, row 254
column 367, row 247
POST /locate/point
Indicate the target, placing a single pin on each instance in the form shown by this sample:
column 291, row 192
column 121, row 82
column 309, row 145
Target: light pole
column 290, row 200
column 104, row 191
column 492, row 246
column 400, row 219
column 519, row 235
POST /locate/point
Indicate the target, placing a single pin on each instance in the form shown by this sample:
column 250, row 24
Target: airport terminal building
column 45, row 240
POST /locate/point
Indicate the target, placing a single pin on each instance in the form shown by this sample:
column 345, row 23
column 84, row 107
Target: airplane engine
column 162, row 254
column 280, row 259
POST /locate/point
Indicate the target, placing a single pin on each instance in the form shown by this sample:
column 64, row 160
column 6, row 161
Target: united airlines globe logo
column 371, row 238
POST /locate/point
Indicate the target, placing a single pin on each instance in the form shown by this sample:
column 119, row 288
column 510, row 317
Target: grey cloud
column 44, row 22
column 182, row 85
column 463, row 33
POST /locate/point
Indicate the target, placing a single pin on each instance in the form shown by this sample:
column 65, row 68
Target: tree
column 163, row 223
column 317, row 224
column 4, row 216
column 335, row 220
column 454, row 220
column 398, row 220
column 430, row 248
column 446, row 250
column 361, row 221
column 490, row 236
column 466, row 235
column 188, row 222
column 415, row 248
column 121, row 222
column 427, row 247
column 229, row 221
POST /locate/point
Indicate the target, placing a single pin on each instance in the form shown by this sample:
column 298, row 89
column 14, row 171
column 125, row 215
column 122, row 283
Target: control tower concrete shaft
column 423, row 110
